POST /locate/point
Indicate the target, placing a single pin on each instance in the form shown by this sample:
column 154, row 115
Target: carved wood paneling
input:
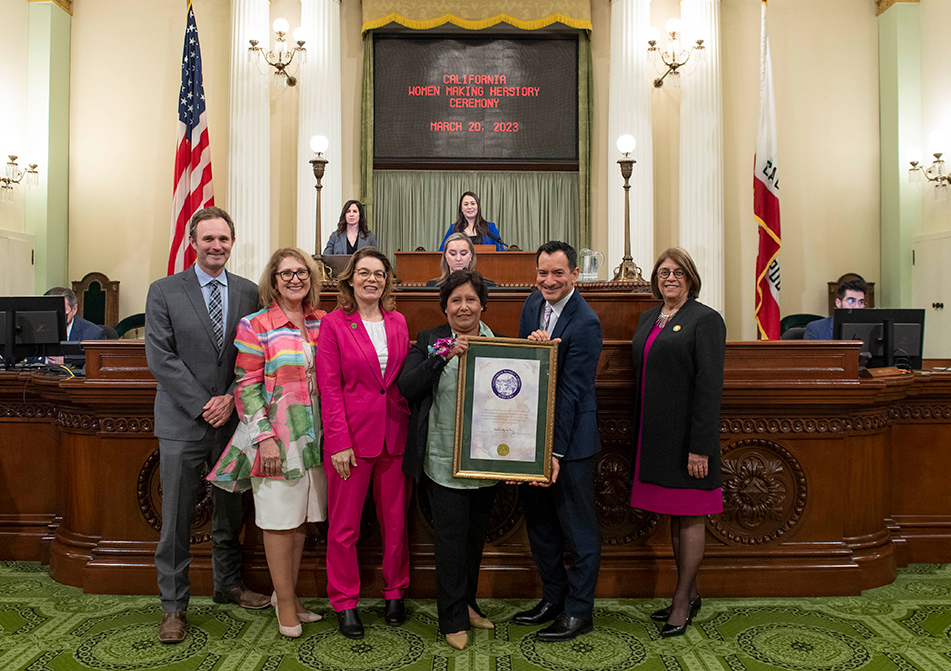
column 764, row 493
column 870, row 421
column 28, row 410
column 149, row 494
column 810, row 422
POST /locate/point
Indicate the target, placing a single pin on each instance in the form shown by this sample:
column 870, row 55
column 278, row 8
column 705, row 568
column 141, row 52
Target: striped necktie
column 215, row 312
column 547, row 315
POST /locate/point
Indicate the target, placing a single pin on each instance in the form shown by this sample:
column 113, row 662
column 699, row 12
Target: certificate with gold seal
column 504, row 410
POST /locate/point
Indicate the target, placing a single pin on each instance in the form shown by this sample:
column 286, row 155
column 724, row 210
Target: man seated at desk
column 77, row 328
column 850, row 295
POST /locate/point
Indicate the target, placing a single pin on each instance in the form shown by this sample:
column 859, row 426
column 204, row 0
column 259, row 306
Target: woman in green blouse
column 460, row 507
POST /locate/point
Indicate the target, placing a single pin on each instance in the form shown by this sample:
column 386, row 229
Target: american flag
column 193, row 189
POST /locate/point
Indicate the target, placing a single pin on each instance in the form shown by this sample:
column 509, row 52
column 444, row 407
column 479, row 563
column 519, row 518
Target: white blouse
column 377, row 333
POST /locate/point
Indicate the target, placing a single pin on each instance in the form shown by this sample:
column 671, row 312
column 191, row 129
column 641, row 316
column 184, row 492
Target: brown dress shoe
column 172, row 629
column 244, row 597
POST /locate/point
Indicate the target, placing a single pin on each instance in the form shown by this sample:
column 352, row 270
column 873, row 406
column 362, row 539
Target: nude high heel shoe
column 458, row 640
column 291, row 632
column 305, row 616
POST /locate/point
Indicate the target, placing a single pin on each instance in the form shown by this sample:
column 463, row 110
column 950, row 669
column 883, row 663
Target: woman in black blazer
column 679, row 348
column 460, row 507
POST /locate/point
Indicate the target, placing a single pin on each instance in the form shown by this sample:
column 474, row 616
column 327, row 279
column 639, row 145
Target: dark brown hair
column 205, row 214
column 362, row 227
column 481, row 227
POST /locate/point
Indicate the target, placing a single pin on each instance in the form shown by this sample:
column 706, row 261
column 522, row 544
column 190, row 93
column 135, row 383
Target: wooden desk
column 500, row 267
column 830, row 482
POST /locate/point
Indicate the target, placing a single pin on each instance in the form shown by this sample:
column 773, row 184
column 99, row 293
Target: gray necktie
column 547, row 315
column 215, row 312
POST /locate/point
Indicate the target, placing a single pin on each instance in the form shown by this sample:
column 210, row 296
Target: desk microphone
column 495, row 238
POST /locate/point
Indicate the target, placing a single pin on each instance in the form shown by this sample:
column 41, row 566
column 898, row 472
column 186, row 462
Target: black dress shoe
column 544, row 611
column 671, row 630
column 349, row 623
column 663, row 614
column 565, row 628
column 394, row 613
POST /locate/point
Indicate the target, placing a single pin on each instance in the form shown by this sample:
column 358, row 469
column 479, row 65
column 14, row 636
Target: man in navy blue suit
column 563, row 514
column 77, row 328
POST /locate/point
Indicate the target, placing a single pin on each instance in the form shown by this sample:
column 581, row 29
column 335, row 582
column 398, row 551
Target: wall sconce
column 672, row 56
column 935, row 172
column 628, row 271
column 14, row 175
column 281, row 57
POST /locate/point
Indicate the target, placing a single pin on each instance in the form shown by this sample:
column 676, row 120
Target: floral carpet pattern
column 45, row 626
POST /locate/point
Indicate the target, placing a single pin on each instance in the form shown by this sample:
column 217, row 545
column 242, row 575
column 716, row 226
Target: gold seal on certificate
column 503, row 450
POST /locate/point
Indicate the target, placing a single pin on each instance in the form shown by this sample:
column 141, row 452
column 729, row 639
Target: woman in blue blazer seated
column 471, row 222
column 352, row 232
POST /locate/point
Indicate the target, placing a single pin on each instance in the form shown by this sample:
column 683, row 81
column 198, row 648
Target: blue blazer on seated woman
column 471, row 222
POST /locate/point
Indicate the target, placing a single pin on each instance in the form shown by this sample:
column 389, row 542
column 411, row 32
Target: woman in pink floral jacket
column 276, row 449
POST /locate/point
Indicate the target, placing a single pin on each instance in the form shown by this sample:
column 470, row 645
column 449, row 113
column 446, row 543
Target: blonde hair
column 444, row 266
column 346, row 300
column 267, row 287
column 679, row 256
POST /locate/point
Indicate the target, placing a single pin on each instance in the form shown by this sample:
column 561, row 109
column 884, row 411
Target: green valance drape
column 477, row 14
column 414, row 208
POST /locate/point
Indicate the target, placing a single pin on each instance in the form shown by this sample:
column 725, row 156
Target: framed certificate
column 505, row 407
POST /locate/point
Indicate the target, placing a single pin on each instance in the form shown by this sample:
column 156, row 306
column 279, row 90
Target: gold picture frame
column 505, row 410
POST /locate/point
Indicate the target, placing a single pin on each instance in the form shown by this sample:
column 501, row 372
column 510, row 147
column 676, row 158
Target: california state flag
column 766, row 200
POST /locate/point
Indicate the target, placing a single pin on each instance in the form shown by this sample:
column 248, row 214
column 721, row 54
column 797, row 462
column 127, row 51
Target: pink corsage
column 442, row 347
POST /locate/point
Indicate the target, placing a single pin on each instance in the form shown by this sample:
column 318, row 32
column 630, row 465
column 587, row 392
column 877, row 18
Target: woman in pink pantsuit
column 360, row 354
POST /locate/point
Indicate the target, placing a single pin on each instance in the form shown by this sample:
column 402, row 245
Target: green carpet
column 905, row 625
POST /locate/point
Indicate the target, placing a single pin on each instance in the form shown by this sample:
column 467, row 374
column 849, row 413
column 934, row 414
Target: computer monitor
column 892, row 337
column 31, row 326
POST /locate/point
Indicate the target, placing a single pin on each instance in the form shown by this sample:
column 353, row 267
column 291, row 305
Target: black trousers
column 460, row 521
column 559, row 517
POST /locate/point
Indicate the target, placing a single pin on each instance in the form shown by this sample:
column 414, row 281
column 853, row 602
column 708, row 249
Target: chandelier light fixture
column 14, row 175
column 668, row 61
column 934, row 173
column 282, row 56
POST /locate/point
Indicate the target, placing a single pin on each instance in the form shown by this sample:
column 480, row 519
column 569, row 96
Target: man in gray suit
column 190, row 324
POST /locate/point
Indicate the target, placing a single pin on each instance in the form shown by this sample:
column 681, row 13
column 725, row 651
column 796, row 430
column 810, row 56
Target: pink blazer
column 354, row 396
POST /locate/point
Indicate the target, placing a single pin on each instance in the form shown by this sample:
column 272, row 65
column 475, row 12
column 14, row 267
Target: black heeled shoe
column 664, row 613
column 670, row 630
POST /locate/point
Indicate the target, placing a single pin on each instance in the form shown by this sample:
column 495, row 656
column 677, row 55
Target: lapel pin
column 353, row 326
column 676, row 328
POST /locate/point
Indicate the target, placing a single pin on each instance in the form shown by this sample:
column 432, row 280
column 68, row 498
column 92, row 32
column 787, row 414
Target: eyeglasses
column 363, row 274
column 664, row 273
column 288, row 275
column 852, row 302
